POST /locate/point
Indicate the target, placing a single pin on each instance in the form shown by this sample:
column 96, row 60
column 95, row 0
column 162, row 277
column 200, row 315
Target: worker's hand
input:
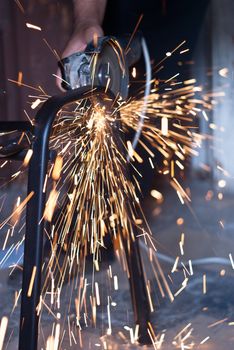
column 88, row 19
column 78, row 42
column 81, row 37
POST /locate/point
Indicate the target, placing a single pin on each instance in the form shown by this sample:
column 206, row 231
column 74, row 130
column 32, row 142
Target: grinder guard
column 105, row 64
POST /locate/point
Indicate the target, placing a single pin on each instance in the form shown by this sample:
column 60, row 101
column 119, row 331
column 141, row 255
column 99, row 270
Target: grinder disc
column 109, row 69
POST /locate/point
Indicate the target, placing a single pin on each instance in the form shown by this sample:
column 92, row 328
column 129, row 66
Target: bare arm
column 88, row 16
column 88, row 21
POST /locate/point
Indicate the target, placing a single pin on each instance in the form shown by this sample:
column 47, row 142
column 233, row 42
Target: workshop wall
column 223, row 81
column 24, row 50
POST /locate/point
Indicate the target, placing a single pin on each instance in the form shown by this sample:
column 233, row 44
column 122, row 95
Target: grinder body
column 104, row 63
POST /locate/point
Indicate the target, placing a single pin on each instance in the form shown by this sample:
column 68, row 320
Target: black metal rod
column 16, row 125
column 15, row 156
column 140, row 301
column 33, row 242
column 33, row 245
column 138, row 290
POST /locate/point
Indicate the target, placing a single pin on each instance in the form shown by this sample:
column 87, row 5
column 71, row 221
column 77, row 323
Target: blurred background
column 206, row 25
column 208, row 222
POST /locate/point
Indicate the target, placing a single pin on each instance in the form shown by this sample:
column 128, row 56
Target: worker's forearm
column 89, row 11
column 88, row 15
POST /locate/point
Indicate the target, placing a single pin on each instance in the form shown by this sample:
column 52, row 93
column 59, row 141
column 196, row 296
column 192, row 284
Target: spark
column 180, row 221
column 225, row 172
column 181, row 248
column 221, row 183
column 172, row 168
column 209, row 195
column 17, row 296
column 174, row 268
column 5, row 241
column 130, row 330
column 57, row 168
column 61, row 79
column 189, row 82
column 149, row 297
column 184, row 285
column 180, row 197
column 116, row 287
column 32, row 26
column 45, row 183
column 107, row 84
column 27, row 157
column 184, row 51
column 97, row 294
column 36, row 103
column 18, row 3
column 222, row 273
column 178, row 163
column 3, row 164
column 50, row 343
column 157, row 195
column 20, row 78
column 164, row 126
column 204, row 340
column 18, row 209
column 151, row 163
column 224, row 72
column 180, row 189
column 191, row 267
column 183, row 330
column 29, row 86
column 28, row 117
column 220, row 196
column 231, row 259
column 109, row 330
column 171, row 297
column 173, row 77
column 66, row 147
column 204, row 284
column 217, row 323
column 134, row 72
column 3, row 328
column 50, row 205
column 205, row 116
column 30, row 287
column 134, row 32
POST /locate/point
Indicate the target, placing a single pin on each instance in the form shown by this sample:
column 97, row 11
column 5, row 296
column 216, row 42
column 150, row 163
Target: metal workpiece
column 33, row 246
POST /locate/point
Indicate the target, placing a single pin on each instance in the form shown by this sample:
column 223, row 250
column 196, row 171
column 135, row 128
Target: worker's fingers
column 75, row 44
column 92, row 33
column 81, row 38
column 78, row 42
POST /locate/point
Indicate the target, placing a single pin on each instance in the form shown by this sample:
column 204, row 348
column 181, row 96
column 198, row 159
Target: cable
column 16, row 257
column 146, row 93
column 202, row 261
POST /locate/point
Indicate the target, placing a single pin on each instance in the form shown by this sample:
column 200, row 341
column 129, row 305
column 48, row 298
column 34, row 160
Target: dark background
column 165, row 24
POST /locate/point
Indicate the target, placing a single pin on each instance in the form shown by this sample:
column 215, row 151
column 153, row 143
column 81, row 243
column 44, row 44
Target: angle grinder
column 104, row 63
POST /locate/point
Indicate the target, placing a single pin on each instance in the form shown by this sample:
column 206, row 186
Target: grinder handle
column 132, row 47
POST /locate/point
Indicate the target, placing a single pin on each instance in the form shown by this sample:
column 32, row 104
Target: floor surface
column 196, row 319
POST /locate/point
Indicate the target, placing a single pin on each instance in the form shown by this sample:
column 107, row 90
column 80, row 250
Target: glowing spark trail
column 3, row 328
column 32, row 26
column 92, row 198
